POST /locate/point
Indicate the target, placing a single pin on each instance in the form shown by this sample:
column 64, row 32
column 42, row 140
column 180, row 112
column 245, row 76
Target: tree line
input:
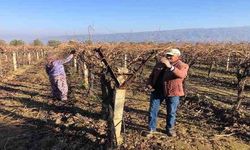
column 36, row 42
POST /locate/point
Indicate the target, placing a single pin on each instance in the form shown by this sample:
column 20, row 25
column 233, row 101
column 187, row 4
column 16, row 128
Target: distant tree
column 37, row 42
column 2, row 42
column 54, row 43
column 150, row 42
column 72, row 42
column 17, row 42
column 88, row 42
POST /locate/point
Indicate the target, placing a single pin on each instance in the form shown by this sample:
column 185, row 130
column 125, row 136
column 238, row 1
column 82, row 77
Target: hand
column 165, row 61
column 149, row 88
column 73, row 52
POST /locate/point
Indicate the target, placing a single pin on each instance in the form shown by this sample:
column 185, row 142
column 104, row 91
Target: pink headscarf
column 51, row 57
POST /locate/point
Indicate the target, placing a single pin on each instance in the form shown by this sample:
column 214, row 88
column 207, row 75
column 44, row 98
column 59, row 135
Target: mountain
column 232, row 34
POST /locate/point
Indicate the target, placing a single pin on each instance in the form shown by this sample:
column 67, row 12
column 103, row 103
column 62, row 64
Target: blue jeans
column 171, row 103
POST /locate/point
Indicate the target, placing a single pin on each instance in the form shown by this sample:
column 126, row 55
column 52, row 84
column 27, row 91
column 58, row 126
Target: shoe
column 171, row 132
column 151, row 133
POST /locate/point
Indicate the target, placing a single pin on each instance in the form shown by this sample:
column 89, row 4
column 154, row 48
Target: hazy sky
column 67, row 17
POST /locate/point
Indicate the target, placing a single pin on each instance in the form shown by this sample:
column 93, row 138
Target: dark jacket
column 172, row 80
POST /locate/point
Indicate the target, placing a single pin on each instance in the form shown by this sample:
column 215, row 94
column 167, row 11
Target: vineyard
column 14, row 57
column 102, row 77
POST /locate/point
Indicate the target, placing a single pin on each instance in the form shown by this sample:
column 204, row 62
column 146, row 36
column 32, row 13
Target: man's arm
column 182, row 71
column 179, row 72
column 150, row 78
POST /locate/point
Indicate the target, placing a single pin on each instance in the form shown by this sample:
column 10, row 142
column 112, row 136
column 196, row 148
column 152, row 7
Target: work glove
column 73, row 51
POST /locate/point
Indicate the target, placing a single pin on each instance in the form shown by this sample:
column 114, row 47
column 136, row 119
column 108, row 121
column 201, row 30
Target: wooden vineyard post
column 243, row 72
column 210, row 68
column 92, row 81
column 23, row 58
column 85, row 75
column 75, row 64
column 42, row 53
column 29, row 58
column 228, row 61
column 118, row 93
column 6, row 57
column 119, row 100
column 37, row 55
column 240, row 94
column 14, row 61
column 125, row 61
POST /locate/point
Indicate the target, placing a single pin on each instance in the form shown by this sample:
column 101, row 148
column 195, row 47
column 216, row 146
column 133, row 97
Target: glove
column 72, row 51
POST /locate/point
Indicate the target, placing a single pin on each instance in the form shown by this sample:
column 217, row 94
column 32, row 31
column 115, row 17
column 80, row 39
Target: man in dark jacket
column 166, row 80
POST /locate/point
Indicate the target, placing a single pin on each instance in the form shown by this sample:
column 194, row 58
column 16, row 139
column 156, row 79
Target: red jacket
column 173, row 80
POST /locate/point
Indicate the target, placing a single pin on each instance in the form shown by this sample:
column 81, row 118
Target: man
column 166, row 81
column 57, row 76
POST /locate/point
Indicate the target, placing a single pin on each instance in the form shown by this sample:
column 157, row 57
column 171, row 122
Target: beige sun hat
column 174, row 51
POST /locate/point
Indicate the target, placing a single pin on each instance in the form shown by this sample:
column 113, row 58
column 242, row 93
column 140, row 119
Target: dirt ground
column 31, row 119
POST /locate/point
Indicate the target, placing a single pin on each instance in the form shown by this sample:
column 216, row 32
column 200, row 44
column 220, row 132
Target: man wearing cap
column 166, row 82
